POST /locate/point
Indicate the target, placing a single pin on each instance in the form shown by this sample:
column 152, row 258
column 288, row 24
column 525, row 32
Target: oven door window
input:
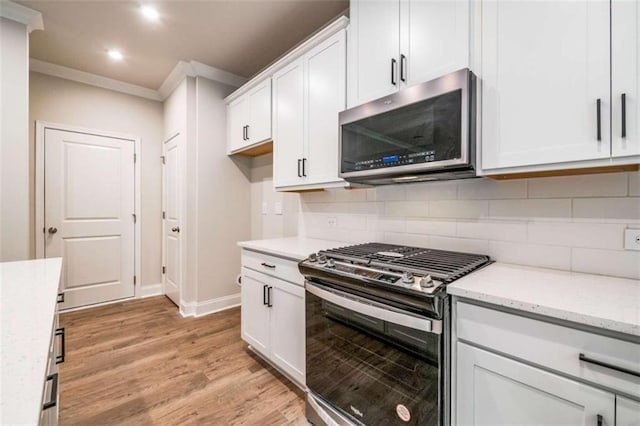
column 429, row 130
column 373, row 371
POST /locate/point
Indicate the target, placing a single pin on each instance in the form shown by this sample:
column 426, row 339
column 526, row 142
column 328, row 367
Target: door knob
column 53, row 230
column 175, row 229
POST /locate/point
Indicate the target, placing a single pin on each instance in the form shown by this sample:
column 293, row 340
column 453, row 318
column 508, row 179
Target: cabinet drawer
column 552, row 346
column 272, row 265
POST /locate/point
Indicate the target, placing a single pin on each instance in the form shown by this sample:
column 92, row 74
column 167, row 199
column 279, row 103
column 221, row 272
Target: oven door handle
column 372, row 309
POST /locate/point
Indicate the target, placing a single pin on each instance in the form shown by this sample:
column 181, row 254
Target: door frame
column 182, row 210
column 39, row 202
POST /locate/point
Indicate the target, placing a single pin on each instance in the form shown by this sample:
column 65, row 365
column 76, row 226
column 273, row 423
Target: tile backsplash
column 571, row 223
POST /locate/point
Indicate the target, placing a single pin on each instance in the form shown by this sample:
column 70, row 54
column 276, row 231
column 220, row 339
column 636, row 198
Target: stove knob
column 313, row 258
column 407, row 278
column 426, row 282
column 322, row 259
column 331, row 263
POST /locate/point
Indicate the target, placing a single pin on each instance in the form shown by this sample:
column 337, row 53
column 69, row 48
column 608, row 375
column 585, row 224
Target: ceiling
column 238, row 36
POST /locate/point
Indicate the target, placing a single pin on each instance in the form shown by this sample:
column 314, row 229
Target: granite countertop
column 28, row 297
column 296, row 248
column 594, row 300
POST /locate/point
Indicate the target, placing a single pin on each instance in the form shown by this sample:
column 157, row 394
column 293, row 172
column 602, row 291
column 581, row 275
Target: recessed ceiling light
column 116, row 55
column 150, row 12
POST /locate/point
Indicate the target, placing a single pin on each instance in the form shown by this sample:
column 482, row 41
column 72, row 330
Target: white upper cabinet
column 545, row 82
column 434, row 39
column 625, row 33
column 398, row 43
column 308, row 94
column 249, row 117
column 288, row 124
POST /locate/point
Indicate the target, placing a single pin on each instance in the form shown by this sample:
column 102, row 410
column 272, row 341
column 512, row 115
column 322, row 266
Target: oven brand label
column 356, row 411
column 403, row 412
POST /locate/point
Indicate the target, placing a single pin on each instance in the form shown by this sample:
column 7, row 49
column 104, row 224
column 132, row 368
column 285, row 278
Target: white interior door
column 171, row 223
column 89, row 214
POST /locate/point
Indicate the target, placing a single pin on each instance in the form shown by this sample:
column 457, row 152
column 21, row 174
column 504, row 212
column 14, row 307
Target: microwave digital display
column 423, row 132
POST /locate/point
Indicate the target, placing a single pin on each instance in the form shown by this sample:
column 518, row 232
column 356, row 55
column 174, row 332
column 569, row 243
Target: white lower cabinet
column 494, row 390
column 273, row 315
column 627, row 412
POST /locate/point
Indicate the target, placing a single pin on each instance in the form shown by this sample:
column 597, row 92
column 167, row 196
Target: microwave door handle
column 357, row 304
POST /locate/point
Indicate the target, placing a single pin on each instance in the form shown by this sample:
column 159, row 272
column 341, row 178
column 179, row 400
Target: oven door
column 372, row 363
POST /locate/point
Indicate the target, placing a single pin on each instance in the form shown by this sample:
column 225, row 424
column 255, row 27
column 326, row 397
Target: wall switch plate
column 277, row 207
column 265, row 208
column 632, row 239
column 332, row 222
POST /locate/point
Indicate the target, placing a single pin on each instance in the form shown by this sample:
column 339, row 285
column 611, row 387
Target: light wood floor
column 140, row 362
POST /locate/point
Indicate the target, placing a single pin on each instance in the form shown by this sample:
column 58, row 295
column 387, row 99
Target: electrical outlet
column 265, row 208
column 332, row 222
column 277, row 207
column 632, row 239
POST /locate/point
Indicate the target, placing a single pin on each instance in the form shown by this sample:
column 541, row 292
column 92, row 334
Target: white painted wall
column 14, row 141
column 67, row 102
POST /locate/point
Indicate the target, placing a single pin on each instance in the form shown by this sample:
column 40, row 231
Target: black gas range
column 377, row 333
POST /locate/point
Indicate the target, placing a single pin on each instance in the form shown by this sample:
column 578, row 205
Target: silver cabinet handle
column 584, row 358
column 175, row 229
column 52, row 230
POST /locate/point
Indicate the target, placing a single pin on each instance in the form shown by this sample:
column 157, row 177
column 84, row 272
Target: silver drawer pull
column 268, row 265
column 584, row 358
column 54, row 392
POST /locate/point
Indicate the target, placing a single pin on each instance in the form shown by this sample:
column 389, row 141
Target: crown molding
column 185, row 69
column 16, row 12
column 93, row 79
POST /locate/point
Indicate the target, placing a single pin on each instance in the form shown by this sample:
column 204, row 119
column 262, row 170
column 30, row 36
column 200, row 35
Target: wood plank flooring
column 139, row 362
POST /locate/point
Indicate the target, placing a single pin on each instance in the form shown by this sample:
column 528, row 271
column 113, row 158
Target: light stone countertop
column 28, row 297
column 295, row 248
column 594, row 300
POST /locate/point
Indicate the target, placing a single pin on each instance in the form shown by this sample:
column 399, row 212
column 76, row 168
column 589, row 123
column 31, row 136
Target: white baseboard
column 151, row 290
column 198, row 309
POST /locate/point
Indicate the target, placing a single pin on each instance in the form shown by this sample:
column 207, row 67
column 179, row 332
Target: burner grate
column 444, row 265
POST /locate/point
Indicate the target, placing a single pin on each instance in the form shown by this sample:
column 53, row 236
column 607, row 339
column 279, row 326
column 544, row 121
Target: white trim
column 92, row 79
column 198, row 309
column 97, row 305
column 41, row 126
column 185, row 69
column 151, row 290
column 19, row 13
column 300, row 49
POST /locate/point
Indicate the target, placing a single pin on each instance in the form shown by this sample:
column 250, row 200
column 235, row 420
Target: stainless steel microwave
column 425, row 132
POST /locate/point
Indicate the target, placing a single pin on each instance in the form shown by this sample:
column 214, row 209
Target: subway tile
column 317, row 197
column 555, row 257
column 406, row 208
column 371, row 194
column 471, row 189
column 606, row 262
column 458, row 209
column 634, row 184
column 351, row 222
column 431, row 191
column 385, row 224
column 366, row 208
column 349, row 195
column 596, row 185
column 607, row 209
column 390, row 193
column 596, row 235
column 467, row 245
column 431, row 226
column 414, row 240
column 327, row 207
column 493, row 230
column 552, row 208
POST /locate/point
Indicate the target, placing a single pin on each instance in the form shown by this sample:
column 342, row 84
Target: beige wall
column 67, row 102
column 14, row 141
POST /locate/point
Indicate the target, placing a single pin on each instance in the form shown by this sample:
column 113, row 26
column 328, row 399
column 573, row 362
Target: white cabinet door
column 494, row 390
column 545, row 65
column 237, row 118
column 288, row 125
column 325, row 98
column 255, row 313
column 287, row 328
column 627, row 412
column 625, row 43
column 374, row 43
column 434, row 38
column 259, row 123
